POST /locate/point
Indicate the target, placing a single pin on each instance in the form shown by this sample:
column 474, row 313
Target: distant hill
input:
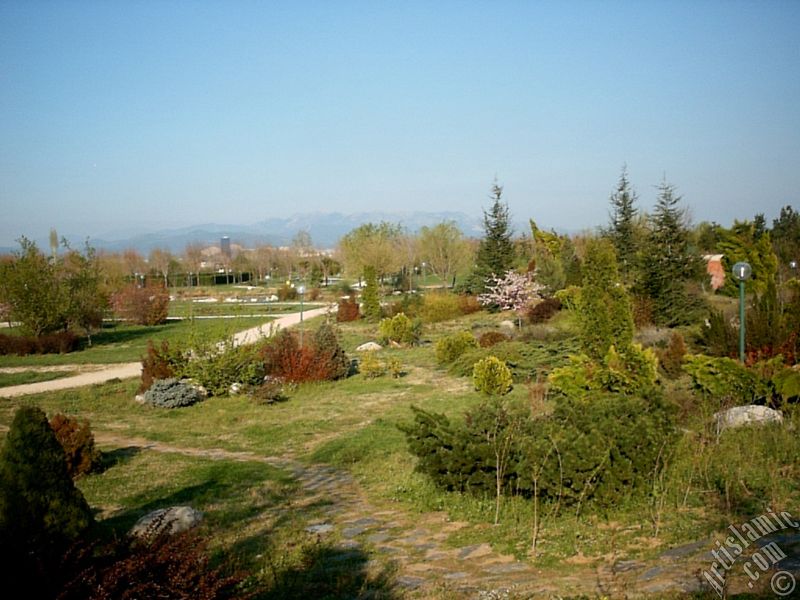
column 325, row 228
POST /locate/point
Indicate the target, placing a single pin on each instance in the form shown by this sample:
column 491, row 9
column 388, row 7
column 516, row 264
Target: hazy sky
column 157, row 113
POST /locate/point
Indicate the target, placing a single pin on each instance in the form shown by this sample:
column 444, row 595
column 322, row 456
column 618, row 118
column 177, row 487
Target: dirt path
column 92, row 374
column 417, row 547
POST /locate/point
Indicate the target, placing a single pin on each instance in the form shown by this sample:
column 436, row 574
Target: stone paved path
column 92, row 374
column 428, row 567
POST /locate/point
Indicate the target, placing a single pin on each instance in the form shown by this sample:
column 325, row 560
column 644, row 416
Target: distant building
column 225, row 246
column 715, row 270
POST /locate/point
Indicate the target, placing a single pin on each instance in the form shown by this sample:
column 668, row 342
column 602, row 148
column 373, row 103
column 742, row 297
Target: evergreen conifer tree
column 622, row 231
column 671, row 263
column 41, row 510
column 370, row 296
column 496, row 251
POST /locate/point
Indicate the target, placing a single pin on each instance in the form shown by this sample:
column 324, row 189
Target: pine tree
column 622, row 231
column 370, row 297
column 496, row 251
column 671, row 263
column 41, row 510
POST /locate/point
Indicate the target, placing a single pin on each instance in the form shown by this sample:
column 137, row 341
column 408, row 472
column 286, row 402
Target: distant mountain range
column 325, row 229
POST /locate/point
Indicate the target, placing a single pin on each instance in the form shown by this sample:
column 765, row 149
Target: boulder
column 508, row 325
column 172, row 520
column 750, row 414
column 369, row 347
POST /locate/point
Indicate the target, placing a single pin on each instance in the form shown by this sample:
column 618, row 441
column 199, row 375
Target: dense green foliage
column 450, row 347
column 48, row 295
column 622, row 230
column 527, row 361
column 496, row 253
column 599, row 451
column 171, row 393
column 604, row 307
column 370, row 298
column 41, row 510
column 491, row 376
column 399, row 329
column 671, row 262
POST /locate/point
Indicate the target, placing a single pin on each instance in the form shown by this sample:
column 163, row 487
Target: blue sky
column 152, row 114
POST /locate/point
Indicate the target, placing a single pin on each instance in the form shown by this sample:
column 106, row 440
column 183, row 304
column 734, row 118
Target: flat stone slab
column 475, row 551
column 320, row 528
column 408, row 582
column 687, row 549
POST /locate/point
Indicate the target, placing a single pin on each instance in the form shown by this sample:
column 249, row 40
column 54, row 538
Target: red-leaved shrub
column 156, row 365
column 142, row 305
column 544, row 310
column 490, row 338
column 348, row 310
column 51, row 343
column 468, row 304
column 78, row 442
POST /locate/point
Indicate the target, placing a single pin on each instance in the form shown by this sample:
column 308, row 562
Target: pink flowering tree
column 512, row 291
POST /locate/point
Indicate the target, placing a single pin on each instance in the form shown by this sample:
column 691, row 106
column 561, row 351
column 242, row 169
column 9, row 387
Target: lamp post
column 301, row 290
column 742, row 272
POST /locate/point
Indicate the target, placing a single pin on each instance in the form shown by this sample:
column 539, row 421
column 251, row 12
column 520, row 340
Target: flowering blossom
column 513, row 291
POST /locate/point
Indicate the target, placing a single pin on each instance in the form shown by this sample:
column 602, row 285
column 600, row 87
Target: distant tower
column 225, row 246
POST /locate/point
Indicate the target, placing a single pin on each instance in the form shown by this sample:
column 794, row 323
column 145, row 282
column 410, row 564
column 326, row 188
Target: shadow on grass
column 322, row 570
column 118, row 333
column 118, row 456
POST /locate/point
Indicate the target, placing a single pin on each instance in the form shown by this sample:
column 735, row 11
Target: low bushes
column 491, row 376
column 171, row 393
column 452, row 346
column 527, row 361
column 543, row 311
column 599, row 451
column 142, row 305
column 440, row 307
column 371, row 366
column 348, row 310
column 490, row 338
column 399, row 329
column 77, row 440
column 52, row 343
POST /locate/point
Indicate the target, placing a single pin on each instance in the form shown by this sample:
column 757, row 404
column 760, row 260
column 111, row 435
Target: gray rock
column 369, row 347
column 508, row 325
column 751, row 414
column 174, row 519
column 235, row 388
column 139, row 398
column 320, row 528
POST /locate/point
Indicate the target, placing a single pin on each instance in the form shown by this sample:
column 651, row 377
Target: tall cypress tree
column 496, row 251
column 622, row 230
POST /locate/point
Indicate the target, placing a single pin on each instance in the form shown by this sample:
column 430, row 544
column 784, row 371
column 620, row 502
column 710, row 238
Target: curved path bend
column 134, row 369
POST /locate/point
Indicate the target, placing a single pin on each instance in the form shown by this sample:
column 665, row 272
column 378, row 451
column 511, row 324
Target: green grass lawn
column 187, row 308
column 23, row 377
column 118, row 342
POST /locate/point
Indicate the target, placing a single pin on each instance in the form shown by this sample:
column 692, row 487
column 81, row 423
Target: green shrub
column 370, row 298
column 218, row 366
column 670, row 359
column 632, row 372
column 394, row 367
column 726, row 380
column 371, row 366
column 399, row 329
column 452, row 346
column 491, row 376
column 599, row 451
column 41, row 510
column 77, row 440
column 330, row 353
column 440, row 307
column 171, row 393
column 527, row 361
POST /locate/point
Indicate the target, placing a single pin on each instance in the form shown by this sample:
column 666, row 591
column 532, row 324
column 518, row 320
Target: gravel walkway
column 94, row 374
